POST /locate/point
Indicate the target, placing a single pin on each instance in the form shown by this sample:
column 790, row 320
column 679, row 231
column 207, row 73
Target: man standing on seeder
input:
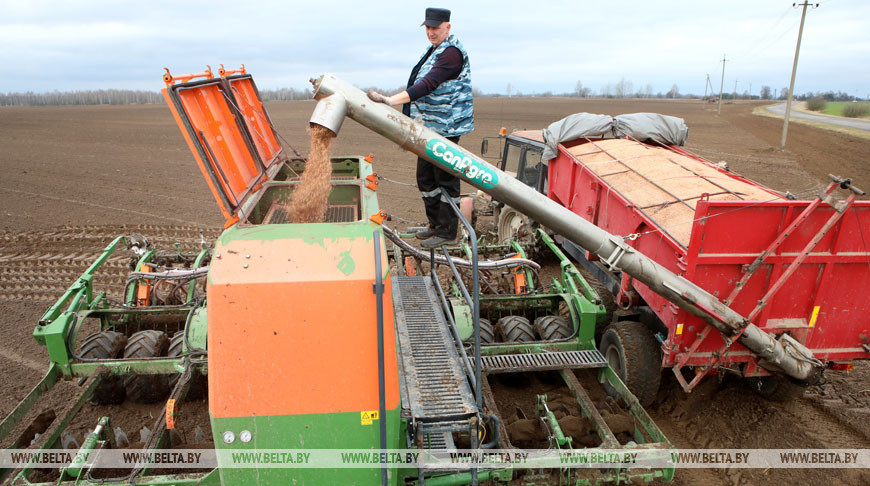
column 438, row 93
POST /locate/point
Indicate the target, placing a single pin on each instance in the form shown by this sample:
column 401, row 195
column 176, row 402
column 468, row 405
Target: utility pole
column 721, row 85
column 710, row 86
column 735, row 90
column 797, row 51
column 750, row 91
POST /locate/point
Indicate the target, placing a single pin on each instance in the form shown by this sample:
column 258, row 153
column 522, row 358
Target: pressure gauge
column 245, row 436
column 229, row 437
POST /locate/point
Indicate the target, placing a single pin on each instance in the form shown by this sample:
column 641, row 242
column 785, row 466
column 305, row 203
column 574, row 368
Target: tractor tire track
column 91, row 204
column 720, row 415
column 28, row 362
column 841, row 399
column 40, row 266
column 94, row 238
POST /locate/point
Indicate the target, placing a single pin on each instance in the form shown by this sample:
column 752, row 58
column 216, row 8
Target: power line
column 762, row 38
column 761, row 48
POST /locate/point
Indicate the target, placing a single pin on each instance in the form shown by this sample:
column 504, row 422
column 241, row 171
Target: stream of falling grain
column 308, row 203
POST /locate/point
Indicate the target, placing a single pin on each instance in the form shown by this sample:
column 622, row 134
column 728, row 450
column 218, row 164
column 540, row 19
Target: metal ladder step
column 438, row 441
column 437, row 391
column 557, row 360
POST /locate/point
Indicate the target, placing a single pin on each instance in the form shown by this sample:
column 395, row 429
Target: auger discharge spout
column 780, row 355
column 330, row 112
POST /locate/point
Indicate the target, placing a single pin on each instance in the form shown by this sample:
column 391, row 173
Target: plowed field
column 73, row 178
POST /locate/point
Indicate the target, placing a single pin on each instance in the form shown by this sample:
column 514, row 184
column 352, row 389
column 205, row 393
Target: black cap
column 435, row 16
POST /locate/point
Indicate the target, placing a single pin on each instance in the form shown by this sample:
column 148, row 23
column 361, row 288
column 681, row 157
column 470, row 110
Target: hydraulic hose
column 495, row 427
column 460, row 262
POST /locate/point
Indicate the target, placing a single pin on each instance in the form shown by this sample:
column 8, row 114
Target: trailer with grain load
column 796, row 268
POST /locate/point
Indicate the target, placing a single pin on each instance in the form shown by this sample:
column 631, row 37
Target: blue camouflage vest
column 448, row 109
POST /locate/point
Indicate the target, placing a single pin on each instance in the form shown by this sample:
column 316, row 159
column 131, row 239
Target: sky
column 532, row 46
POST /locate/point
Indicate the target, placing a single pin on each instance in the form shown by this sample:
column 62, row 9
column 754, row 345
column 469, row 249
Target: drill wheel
column 146, row 388
column 516, row 329
column 105, row 345
column 552, row 328
column 487, row 333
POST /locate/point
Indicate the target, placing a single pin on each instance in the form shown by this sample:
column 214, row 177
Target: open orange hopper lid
column 229, row 132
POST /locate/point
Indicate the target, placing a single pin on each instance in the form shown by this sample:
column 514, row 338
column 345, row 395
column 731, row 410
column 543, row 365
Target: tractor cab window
column 542, row 188
column 512, row 157
column 532, row 166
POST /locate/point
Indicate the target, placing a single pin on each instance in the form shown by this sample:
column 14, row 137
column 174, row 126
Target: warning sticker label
column 366, row 417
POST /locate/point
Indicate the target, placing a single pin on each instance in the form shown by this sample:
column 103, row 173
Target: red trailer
column 800, row 267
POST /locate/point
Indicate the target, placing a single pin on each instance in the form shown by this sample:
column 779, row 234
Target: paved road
column 831, row 120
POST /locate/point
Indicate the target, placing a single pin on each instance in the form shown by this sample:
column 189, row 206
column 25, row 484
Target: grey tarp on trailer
column 572, row 127
column 668, row 130
column 640, row 126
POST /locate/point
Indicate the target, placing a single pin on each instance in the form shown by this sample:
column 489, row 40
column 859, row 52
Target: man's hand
column 379, row 98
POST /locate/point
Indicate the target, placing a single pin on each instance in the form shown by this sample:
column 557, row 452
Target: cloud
column 547, row 46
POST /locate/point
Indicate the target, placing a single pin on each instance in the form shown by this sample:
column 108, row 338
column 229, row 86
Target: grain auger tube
column 337, row 99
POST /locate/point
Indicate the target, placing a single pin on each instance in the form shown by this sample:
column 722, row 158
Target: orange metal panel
column 170, row 414
column 220, row 143
column 144, row 289
column 314, row 258
column 227, row 212
column 520, row 284
column 212, row 118
column 256, row 119
column 293, row 329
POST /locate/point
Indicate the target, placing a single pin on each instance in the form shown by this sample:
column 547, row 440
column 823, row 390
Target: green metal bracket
column 78, row 463
column 129, row 367
column 53, row 327
column 454, row 289
column 458, row 479
column 24, row 406
column 642, row 418
column 583, row 297
column 197, row 332
column 544, row 412
column 570, row 275
column 462, row 317
column 530, row 282
column 466, row 248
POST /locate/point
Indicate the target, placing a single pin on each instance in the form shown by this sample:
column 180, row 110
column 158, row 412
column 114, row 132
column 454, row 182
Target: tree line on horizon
column 123, row 97
column 621, row 89
column 82, row 97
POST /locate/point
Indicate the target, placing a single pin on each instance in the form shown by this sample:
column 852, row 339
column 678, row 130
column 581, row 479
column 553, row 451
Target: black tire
column 487, row 333
column 516, row 329
column 105, row 345
column 514, row 225
column 776, row 388
column 146, row 388
column 552, row 328
column 633, row 352
column 199, row 384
